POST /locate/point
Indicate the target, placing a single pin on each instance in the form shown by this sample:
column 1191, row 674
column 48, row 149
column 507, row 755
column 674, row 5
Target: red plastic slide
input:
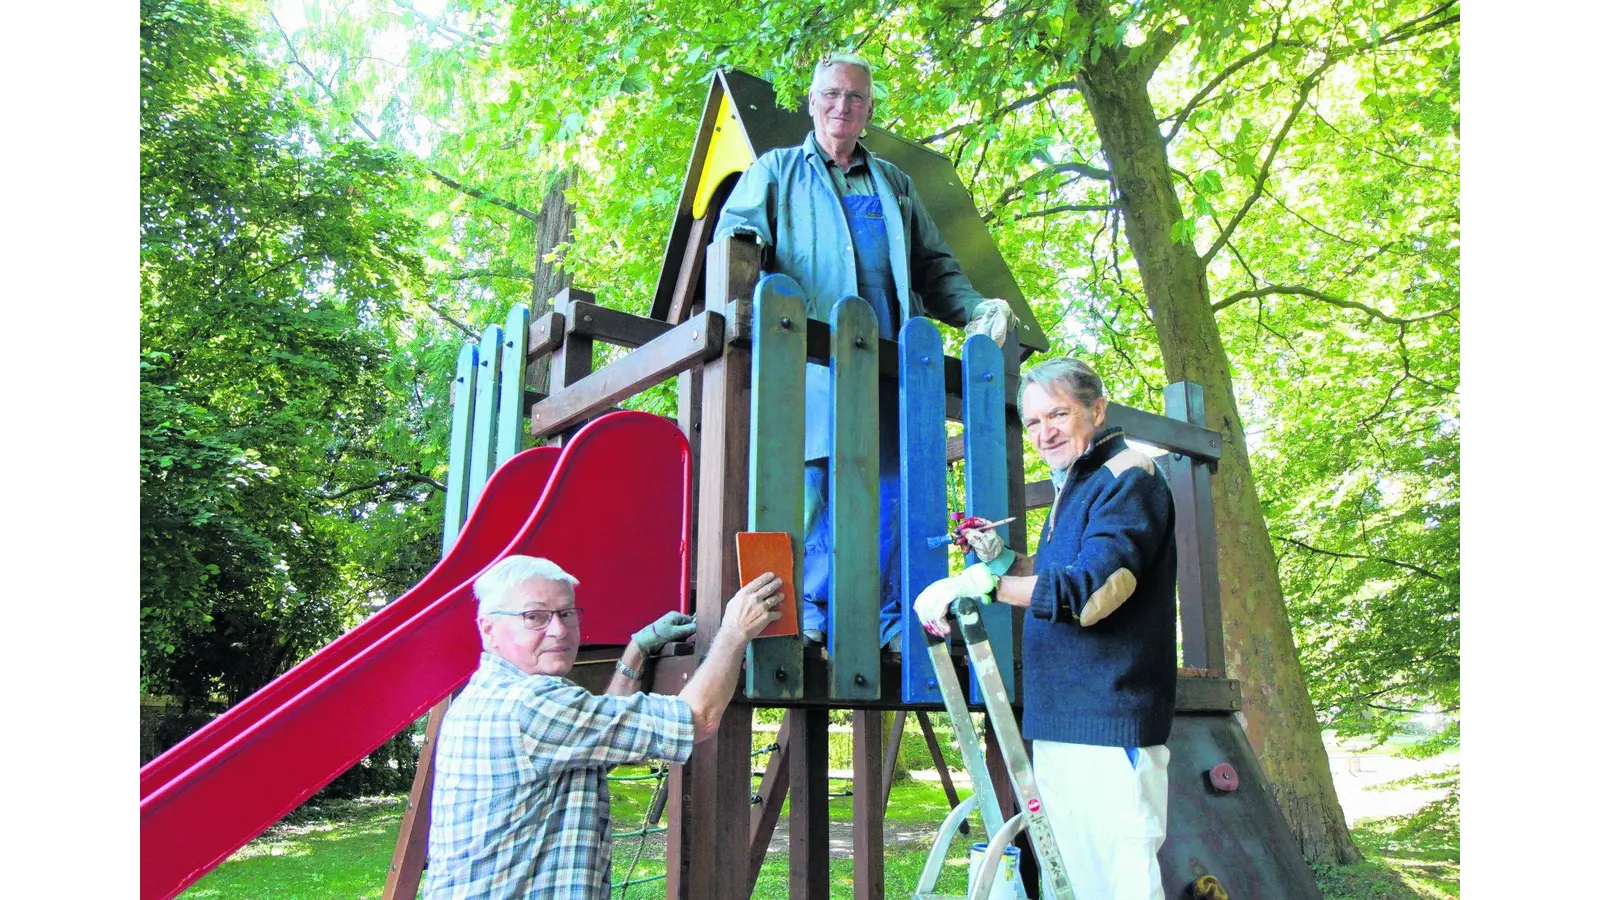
column 612, row 509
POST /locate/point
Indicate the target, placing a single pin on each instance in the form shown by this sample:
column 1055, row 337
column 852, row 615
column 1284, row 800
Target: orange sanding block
column 770, row 551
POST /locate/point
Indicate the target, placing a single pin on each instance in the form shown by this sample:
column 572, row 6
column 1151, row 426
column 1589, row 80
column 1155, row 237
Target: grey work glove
column 994, row 318
column 674, row 626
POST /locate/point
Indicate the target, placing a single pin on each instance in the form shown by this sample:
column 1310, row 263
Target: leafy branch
column 1329, row 299
column 1003, row 111
column 1383, row 559
column 387, row 482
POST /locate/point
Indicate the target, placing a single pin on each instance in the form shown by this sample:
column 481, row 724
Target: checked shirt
column 520, row 804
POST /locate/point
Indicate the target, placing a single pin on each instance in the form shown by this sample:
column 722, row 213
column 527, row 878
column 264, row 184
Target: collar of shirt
column 858, row 156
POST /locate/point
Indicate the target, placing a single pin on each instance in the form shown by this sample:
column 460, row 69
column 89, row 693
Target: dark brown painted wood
column 719, row 781
column 574, row 358
column 694, row 341
column 892, row 755
column 411, row 848
column 808, row 805
column 1199, row 587
column 937, row 754
column 684, row 286
column 545, row 334
column 769, row 799
column 1039, row 494
column 866, row 815
column 613, row 326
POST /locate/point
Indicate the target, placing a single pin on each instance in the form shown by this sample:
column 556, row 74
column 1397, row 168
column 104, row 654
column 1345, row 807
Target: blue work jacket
column 788, row 199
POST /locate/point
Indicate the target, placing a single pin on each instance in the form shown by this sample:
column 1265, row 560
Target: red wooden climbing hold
column 1224, row 778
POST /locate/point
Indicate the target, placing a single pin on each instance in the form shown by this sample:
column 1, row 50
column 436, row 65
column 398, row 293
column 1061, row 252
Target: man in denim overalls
column 843, row 222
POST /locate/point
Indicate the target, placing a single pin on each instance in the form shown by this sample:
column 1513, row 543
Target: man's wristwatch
column 636, row 676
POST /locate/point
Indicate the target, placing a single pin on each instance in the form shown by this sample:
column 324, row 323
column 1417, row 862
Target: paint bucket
column 1007, row 884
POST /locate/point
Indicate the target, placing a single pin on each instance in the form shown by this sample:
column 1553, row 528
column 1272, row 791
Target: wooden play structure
column 737, row 343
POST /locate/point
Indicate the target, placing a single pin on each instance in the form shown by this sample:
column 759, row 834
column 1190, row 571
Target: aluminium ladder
column 1001, row 832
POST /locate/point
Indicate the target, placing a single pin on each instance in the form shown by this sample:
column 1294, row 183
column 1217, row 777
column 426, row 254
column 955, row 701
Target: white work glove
column 933, row 604
column 674, row 626
column 994, row 318
column 986, row 544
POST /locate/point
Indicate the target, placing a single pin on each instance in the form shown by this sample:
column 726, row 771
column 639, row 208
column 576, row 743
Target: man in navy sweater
column 1099, row 646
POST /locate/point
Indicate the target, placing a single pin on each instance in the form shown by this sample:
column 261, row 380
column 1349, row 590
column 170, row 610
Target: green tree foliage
column 1310, row 162
column 278, row 431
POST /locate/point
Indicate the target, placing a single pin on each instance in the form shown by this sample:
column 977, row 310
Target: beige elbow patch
column 1115, row 592
column 1130, row 459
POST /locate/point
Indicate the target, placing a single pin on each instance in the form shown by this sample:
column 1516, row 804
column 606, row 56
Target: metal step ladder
column 1052, row 870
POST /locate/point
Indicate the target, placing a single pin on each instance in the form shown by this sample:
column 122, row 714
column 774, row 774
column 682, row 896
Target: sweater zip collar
column 1104, row 437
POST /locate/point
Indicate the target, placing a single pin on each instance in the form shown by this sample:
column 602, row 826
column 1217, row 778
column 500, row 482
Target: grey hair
column 830, row 60
column 494, row 586
column 1070, row 376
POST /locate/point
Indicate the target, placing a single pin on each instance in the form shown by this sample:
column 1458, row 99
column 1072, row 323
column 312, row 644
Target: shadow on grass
column 1416, row 856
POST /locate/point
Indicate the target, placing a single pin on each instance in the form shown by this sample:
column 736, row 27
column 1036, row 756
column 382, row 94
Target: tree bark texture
column 556, row 219
column 1278, row 715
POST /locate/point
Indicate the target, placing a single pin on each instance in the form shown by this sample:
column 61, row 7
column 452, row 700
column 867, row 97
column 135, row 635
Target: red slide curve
column 612, row 509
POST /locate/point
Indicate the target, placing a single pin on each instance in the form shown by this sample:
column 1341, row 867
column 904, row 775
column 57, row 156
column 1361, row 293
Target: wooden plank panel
column 1199, row 586
column 866, row 814
column 808, row 805
column 613, row 326
column 486, row 398
column 983, row 412
column 924, row 509
column 513, row 372
column 777, row 464
column 856, row 582
column 694, row 341
column 1039, row 494
column 462, row 394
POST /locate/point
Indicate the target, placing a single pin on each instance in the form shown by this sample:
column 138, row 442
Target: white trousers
column 1109, row 815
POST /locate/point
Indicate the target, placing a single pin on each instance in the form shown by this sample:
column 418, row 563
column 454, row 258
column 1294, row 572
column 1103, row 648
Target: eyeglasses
column 851, row 98
column 539, row 619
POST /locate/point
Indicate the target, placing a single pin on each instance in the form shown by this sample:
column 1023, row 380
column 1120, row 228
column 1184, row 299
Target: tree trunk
column 1261, row 653
column 555, row 229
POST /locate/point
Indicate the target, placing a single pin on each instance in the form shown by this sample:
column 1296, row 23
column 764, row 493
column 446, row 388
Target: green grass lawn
column 341, row 851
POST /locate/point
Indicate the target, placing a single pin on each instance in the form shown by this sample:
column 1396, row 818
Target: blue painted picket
column 777, row 464
column 983, row 408
column 513, row 373
column 462, row 403
column 486, row 397
column 923, row 508
column 856, row 582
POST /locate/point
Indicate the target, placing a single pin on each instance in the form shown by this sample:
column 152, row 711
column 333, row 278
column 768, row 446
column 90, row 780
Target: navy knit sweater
column 1099, row 648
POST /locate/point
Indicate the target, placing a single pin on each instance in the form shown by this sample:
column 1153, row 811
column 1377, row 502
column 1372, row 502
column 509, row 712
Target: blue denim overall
column 874, row 284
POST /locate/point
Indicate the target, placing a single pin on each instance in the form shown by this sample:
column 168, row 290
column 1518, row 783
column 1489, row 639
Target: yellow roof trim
column 728, row 153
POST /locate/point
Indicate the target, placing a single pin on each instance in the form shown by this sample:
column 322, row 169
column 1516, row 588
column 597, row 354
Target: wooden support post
column 717, row 789
column 808, row 804
column 574, row 357
column 937, row 754
column 866, row 816
column 892, row 755
column 411, row 848
column 1199, row 587
column 769, row 799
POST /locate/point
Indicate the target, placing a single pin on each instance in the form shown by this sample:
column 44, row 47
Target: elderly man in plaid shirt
column 520, row 804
